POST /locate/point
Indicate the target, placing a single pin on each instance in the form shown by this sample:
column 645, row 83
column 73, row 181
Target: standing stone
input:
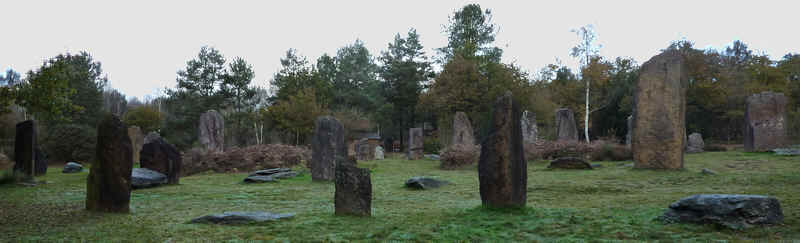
column 327, row 146
column 462, row 130
column 25, row 148
column 659, row 127
column 630, row 132
column 566, row 128
column 695, row 143
column 765, row 122
column 530, row 131
column 108, row 188
column 502, row 169
column 164, row 158
column 137, row 141
column 379, row 153
column 415, row 143
column 212, row 131
column 353, row 191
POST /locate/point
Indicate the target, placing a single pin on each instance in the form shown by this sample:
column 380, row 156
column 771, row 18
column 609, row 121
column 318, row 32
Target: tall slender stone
column 566, row 128
column 502, row 169
column 108, row 188
column 25, row 148
column 212, row 131
column 415, row 143
column 353, row 194
column 327, row 146
column 160, row 156
column 765, row 122
column 462, row 130
column 659, row 128
column 530, row 131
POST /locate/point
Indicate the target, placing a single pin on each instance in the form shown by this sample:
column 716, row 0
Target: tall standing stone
column 566, row 128
column 462, row 130
column 25, row 148
column 629, row 135
column 212, row 131
column 659, row 120
column 415, row 143
column 108, row 188
column 327, row 146
column 137, row 141
column 502, row 169
column 160, row 156
column 530, row 131
column 353, row 194
column 765, row 122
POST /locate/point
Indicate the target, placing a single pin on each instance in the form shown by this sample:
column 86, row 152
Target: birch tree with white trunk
column 585, row 50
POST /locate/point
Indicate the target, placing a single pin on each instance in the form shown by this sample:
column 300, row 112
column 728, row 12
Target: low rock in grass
column 597, row 165
column 72, row 167
column 707, row 171
column 270, row 171
column 424, row 183
column 733, row 211
column 433, row 156
column 570, row 163
column 229, row 218
column 259, row 179
column 145, row 178
column 787, row 151
column 270, row 175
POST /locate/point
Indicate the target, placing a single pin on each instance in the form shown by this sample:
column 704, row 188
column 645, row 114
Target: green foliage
column 470, row 34
column 203, row 74
column 297, row 114
column 69, row 142
column 296, row 74
column 431, row 145
column 355, row 81
column 147, row 118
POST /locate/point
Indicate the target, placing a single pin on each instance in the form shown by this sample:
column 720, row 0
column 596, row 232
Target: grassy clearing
column 611, row 203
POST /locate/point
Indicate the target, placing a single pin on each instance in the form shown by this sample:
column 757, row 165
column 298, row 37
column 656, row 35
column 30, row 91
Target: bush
column 69, row 142
column 245, row 159
column 145, row 117
column 544, row 149
column 459, row 155
column 603, row 150
column 431, row 145
column 715, row 148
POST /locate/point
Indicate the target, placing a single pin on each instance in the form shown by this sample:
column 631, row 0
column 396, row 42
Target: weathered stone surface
column 695, row 143
column 415, row 143
column 365, row 148
column 659, row 127
column 260, row 179
column 212, row 131
column 151, row 136
column 566, row 128
column 462, row 130
column 25, row 150
column 530, row 131
column 502, row 169
column 765, row 122
column 327, row 147
column 433, row 156
column 424, row 183
column 263, row 176
column 629, row 135
column 146, row 178
column 733, row 211
column 570, row 163
column 379, row 153
column 72, row 167
column 270, row 171
column 108, row 187
column 706, row 171
column 353, row 191
column 137, row 141
column 158, row 155
column 240, row 218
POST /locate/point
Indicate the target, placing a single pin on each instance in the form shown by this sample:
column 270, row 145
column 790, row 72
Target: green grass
column 611, row 203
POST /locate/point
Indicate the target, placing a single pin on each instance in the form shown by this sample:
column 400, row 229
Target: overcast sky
column 142, row 44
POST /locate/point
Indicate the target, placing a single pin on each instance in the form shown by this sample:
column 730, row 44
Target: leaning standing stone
column 327, row 146
column 212, row 131
column 415, row 143
column 353, row 191
column 566, row 128
column 659, row 118
column 462, row 130
column 24, row 148
column 765, row 122
column 160, row 156
column 502, row 169
column 108, row 188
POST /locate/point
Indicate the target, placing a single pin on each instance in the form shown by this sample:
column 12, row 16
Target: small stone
column 259, row 179
column 424, row 183
column 433, row 156
column 72, row 167
column 379, row 153
column 597, row 165
column 269, row 171
column 570, row 163
column 229, row 218
column 706, row 171
column 146, row 178
column 733, row 211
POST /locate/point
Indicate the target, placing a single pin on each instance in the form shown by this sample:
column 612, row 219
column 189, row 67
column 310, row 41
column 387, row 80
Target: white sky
column 142, row 44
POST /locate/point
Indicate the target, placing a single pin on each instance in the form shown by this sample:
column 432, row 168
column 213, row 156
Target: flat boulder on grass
column 230, row 218
column 270, row 175
column 72, row 167
column 729, row 210
column 572, row 163
column 424, row 183
column 146, row 178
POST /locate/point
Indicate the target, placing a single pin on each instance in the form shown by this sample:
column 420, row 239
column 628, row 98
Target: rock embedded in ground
column 502, row 168
column 271, row 175
column 146, row 178
column 570, row 163
column 706, row 171
column 72, row 167
column 433, row 156
column 733, row 211
column 424, row 183
column 230, row 218
column 108, row 187
column 260, row 179
column 269, row 171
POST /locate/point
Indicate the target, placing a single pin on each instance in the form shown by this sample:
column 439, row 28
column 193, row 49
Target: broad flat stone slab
column 146, row 178
column 729, row 210
column 269, row 171
column 424, row 183
column 72, row 167
column 230, row 218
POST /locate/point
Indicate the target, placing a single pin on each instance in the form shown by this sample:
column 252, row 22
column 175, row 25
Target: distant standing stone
column 108, row 187
column 212, row 131
column 530, row 131
column 327, row 146
column 502, row 169
column 415, row 143
column 659, row 127
column 733, row 211
column 695, row 143
column 353, row 191
column 72, row 167
column 629, row 135
column 566, row 128
column 158, row 155
column 137, row 141
column 379, row 154
column 765, row 122
column 462, row 130
column 25, row 148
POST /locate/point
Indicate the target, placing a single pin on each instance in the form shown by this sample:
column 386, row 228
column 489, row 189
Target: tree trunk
column 586, row 117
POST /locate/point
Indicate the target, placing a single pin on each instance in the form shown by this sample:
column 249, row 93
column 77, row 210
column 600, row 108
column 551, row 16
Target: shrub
column 543, row 149
column 146, row 117
column 245, row 159
column 69, row 142
column 431, row 145
column 459, row 155
column 603, row 150
column 715, row 148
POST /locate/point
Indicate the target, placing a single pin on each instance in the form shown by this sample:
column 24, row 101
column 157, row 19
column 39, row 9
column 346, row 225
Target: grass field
column 610, row 203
